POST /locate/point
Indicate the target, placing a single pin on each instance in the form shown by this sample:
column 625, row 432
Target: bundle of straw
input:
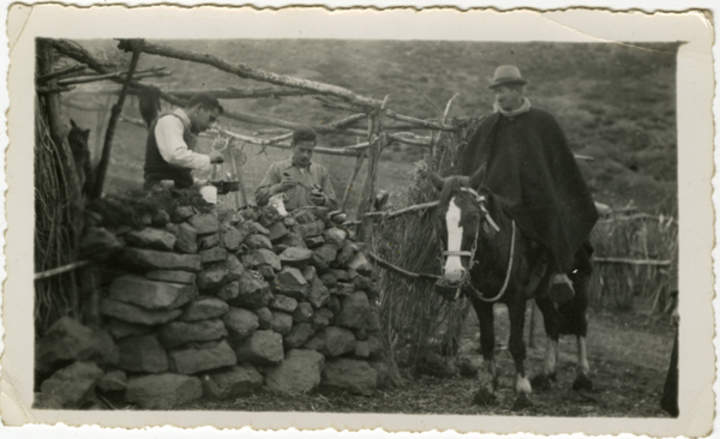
column 58, row 223
column 417, row 320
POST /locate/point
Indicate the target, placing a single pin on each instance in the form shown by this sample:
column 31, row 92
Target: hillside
column 615, row 102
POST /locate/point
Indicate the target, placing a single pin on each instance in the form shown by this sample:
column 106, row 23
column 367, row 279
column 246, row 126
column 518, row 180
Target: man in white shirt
column 168, row 150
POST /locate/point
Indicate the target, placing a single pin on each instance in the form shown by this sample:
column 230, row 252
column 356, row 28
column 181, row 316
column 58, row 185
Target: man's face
column 202, row 118
column 509, row 96
column 303, row 152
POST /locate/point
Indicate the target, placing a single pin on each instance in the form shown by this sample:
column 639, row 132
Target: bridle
column 465, row 282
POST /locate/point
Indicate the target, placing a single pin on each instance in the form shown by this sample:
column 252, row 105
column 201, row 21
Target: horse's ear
column 73, row 124
column 436, row 180
column 478, row 177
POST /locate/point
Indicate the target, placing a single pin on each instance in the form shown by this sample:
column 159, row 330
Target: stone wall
column 215, row 305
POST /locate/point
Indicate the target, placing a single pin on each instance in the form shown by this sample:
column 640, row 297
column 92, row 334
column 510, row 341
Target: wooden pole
column 246, row 71
column 97, row 188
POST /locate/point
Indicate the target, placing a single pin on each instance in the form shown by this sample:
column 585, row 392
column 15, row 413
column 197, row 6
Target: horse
column 489, row 259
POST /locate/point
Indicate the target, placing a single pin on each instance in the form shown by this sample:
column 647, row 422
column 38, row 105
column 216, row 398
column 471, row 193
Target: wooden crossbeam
column 246, row 71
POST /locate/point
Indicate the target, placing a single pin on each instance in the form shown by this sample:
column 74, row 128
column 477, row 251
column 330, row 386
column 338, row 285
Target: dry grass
column 635, row 237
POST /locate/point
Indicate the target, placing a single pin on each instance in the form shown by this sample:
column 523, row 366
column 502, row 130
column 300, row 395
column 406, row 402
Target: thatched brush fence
column 635, row 260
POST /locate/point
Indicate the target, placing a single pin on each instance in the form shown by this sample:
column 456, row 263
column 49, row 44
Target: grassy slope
column 616, row 103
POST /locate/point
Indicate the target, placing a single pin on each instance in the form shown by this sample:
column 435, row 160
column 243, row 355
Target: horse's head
column 464, row 213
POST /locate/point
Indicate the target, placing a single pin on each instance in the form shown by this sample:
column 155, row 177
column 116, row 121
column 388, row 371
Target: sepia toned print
column 348, row 227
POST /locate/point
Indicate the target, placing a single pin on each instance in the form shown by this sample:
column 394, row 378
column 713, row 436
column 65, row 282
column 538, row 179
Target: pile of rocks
column 218, row 304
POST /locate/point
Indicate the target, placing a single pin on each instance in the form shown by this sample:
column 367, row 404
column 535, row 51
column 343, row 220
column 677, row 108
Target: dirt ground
column 629, row 354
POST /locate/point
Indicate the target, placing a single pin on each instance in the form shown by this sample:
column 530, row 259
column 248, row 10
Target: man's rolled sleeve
column 172, row 146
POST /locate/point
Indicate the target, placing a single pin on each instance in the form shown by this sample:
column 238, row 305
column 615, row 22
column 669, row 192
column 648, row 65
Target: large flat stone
column 99, row 243
column 234, row 266
column 213, row 277
column 338, row 341
column 142, row 354
column 193, row 360
column 135, row 314
column 232, row 238
column 151, row 238
column 300, row 334
column 150, row 294
column 281, row 322
column 290, row 281
column 355, row 312
column 212, row 255
column 68, row 340
column 322, row 317
column 254, row 291
column 241, row 380
column 335, row 236
column 175, row 276
column 119, row 329
column 229, row 292
column 277, row 231
column 263, row 347
column 181, row 213
column 324, row 255
column 205, row 223
column 241, row 323
column 204, row 308
column 319, row 294
column 303, row 312
column 262, row 256
column 163, row 391
column 283, row 303
column 186, row 239
column 257, row 241
column 157, row 260
column 296, row 256
column 312, row 228
column 299, row 373
column 356, row 376
column 73, row 385
column 113, row 381
column 209, row 241
column 178, row 333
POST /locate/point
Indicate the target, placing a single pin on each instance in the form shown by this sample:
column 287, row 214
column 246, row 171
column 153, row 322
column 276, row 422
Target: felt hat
column 506, row 74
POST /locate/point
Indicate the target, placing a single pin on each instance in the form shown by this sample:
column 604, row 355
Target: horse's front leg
column 523, row 389
column 582, row 381
column 488, row 378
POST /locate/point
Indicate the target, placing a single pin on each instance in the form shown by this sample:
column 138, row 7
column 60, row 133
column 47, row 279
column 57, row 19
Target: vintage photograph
column 345, row 225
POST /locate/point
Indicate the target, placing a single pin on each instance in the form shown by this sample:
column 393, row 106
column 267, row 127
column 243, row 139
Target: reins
column 480, row 199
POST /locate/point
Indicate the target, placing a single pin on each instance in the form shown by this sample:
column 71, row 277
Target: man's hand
column 216, row 157
column 318, row 198
column 284, row 185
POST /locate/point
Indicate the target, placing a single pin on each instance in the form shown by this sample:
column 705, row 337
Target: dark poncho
column 533, row 172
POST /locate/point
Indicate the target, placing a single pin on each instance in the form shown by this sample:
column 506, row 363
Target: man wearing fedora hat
column 530, row 167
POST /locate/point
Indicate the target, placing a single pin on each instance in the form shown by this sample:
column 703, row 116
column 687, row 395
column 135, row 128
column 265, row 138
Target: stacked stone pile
column 221, row 303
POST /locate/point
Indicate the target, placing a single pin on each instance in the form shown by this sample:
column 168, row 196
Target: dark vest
column 157, row 168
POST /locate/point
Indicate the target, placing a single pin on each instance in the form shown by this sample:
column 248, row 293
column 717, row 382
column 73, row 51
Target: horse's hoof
column 522, row 402
column 542, row 382
column 484, row 397
column 582, row 382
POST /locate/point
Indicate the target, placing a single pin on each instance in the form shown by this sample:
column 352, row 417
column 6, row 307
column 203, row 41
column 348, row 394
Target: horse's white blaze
column 551, row 353
column 278, row 202
column 582, row 361
column 522, row 384
column 453, row 265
